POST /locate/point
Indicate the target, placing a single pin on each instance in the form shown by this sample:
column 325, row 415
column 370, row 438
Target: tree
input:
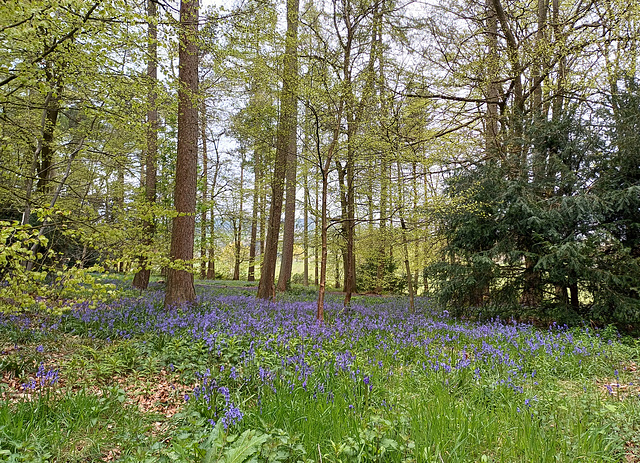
column 285, row 144
column 180, row 287
column 291, row 148
column 141, row 279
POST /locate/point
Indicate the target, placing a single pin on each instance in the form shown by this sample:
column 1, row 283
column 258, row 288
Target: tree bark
column 141, row 279
column 493, row 90
column 211, row 263
column 305, row 235
column 26, row 214
column 238, row 229
column 286, row 263
column 180, row 287
column 254, row 217
column 52, row 110
column 286, row 133
column 205, row 190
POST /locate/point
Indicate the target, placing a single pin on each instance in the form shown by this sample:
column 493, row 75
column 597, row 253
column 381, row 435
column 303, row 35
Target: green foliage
column 391, row 282
column 49, row 285
column 16, row 283
column 230, row 448
column 559, row 239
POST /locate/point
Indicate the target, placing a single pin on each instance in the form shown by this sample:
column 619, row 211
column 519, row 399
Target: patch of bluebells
column 208, row 395
column 281, row 345
column 45, row 378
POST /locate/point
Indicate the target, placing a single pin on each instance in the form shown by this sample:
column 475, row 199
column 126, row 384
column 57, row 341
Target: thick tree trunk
column 180, row 286
column 286, row 263
column 575, row 300
column 287, row 126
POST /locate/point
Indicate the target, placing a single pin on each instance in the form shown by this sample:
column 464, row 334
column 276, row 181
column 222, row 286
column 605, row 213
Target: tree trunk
column 316, row 240
column 286, row 137
column 238, row 229
column 286, row 263
column 26, row 214
column 324, row 171
column 180, row 286
column 575, row 300
column 205, row 191
column 211, row 264
column 305, row 233
column 407, row 266
column 141, row 279
column 52, row 109
column 532, row 292
column 493, row 90
column 254, row 218
column 517, row 152
column 350, row 264
column 34, row 249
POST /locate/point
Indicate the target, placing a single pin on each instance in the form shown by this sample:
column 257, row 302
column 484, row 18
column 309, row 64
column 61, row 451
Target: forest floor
column 235, row 379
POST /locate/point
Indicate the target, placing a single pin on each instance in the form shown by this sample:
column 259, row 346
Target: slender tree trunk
column 262, row 219
column 54, row 199
column 305, row 235
column 416, row 247
column 323, row 245
column 211, row 250
column 52, row 110
column 538, row 70
column 350, row 264
column 238, row 234
column 493, row 90
column 407, row 266
column 254, row 218
column 316, row 240
column 180, row 287
column 211, row 258
column 403, row 231
column 517, row 161
column 286, row 138
column 384, row 194
column 342, row 174
column 324, row 171
column 205, row 191
column 26, row 214
column 141, row 279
